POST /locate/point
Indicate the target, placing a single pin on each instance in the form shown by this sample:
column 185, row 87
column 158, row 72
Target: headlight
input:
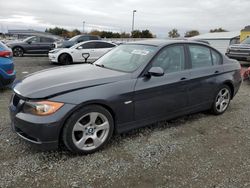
column 54, row 51
column 41, row 108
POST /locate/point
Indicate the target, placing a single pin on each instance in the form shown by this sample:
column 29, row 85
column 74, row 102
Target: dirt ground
column 199, row 150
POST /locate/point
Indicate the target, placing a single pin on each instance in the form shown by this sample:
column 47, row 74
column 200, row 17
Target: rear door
column 85, row 50
column 205, row 66
column 46, row 44
column 157, row 97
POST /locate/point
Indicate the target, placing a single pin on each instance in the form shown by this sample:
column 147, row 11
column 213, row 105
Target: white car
column 88, row 51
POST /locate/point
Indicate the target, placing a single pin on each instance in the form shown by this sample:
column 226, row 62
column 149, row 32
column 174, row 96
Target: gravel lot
column 199, row 150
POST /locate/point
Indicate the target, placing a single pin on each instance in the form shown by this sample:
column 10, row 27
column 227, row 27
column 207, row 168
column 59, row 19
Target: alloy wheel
column 222, row 100
column 90, row 131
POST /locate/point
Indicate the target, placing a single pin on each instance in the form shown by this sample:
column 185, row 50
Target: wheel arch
column 231, row 86
column 64, row 53
column 97, row 103
column 18, row 46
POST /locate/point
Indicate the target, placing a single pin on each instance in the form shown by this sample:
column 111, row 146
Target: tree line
column 103, row 34
column 134, row 34
column 175, row 34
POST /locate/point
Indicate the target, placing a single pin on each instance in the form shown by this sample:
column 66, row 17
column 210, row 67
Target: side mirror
column 29, row 42
column 80, row 48
column 156, row 71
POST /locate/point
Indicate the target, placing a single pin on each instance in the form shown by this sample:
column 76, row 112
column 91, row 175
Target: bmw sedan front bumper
column 39, row 130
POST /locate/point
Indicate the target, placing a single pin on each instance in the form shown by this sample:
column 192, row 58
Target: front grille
column 15, row 100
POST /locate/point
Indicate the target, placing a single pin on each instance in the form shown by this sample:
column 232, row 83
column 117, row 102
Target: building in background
column 21, row 34
column 220, row 40
column 245, row 33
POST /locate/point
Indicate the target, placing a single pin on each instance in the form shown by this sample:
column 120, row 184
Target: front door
column 158, row 97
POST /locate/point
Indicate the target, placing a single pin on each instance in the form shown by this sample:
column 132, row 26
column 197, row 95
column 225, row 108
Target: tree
column 146, row 34
column 136, row 34
column 173, row 34
column 192, row 33
column 125, row 35
column 217, row 30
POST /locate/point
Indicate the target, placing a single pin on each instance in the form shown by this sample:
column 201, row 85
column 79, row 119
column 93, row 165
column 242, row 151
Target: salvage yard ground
column 199, row 150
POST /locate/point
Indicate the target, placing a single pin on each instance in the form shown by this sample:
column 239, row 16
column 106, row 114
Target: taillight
column 5, row 54
column 10, row 71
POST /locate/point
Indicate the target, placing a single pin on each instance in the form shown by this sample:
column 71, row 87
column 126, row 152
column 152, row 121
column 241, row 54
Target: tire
column 18, row 52
column 222, row 100
column 83, row 133
column 65, row 59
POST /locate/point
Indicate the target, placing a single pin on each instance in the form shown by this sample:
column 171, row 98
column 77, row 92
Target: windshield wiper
column 100, row 65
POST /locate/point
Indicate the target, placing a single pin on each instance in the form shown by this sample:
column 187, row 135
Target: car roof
column 163, row 42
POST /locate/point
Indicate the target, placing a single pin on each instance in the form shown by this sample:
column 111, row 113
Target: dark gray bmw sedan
column 133, row 85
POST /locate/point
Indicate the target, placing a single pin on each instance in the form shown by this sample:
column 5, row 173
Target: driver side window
column 171, row 59
column 34, row 40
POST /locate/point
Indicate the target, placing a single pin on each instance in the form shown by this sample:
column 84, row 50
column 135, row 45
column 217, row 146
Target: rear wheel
column 65, row 59
column 222, row 100
column 88, row 129
column 18, row 51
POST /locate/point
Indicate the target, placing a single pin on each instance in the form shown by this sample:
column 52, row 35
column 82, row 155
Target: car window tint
column 88, row 45
column 104, row 45
column 93, row 38
column 82, row 39
column 200, row 56
column 35, row 39
column 43, row 39
column 171, row 59
column 217, row 60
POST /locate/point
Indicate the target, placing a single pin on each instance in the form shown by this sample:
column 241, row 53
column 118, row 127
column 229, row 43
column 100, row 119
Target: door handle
column 183, row 78
column 216, row 72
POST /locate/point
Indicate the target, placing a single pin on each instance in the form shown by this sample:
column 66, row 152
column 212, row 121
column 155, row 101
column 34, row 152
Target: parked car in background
column 240, row 51
column 32, row 45
column 74, row 40
column 88, row 51
column 7, row 72
column 133, row 85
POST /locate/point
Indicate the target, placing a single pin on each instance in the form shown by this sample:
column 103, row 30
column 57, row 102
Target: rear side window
column 43, row 39
column 88, row 45
column 94, row 38
column 171, row 59
column 104, row 45
column 200, row 56
column 217, row 60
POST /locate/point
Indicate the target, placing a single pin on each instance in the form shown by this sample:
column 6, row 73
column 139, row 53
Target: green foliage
column 192, row 33
column 173, row 33
column 217, row 30
column 142, row 34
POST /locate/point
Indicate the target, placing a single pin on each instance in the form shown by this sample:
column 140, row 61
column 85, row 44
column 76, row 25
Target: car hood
column 14, row 43
column 240, row 46
column 52, row 82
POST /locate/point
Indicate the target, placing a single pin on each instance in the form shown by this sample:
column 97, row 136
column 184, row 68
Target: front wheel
column 65, row 59
column 222, row 100
column 88, row 129
column 18, row 52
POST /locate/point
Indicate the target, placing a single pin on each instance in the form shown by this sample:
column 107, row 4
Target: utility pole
column 133, row 20
column 83, row 24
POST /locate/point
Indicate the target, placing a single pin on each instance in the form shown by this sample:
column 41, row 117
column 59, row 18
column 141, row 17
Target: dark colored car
column 74, row 40
column 32, row 45
column 131, row 86
column 7, row 72
column 239, row 51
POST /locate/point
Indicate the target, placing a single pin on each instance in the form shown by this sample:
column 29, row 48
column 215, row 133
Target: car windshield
column 127, row 58
column 246, row 41
column 73, row 38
